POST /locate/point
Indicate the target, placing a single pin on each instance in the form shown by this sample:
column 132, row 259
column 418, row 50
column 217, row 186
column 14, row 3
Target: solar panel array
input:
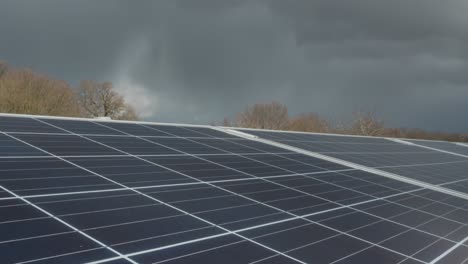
column 439, row 163
column 77, row 191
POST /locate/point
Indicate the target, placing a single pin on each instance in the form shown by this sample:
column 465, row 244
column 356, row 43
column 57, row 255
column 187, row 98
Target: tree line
column 275, row 116
column 23, row 91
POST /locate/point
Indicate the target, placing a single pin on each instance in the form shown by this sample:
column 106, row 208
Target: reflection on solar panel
column 75, row 191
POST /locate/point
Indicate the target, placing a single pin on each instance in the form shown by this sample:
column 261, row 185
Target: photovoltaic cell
column 130, row 171
column 33, row 176
column 185, row 146
column 135, row 129
column 80, row 127
column 178, row 131
column 29, row 125
column 132, row 145
column 66, row 145
column 11, row 147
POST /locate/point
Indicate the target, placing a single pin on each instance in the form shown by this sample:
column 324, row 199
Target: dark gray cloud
column 198, row 61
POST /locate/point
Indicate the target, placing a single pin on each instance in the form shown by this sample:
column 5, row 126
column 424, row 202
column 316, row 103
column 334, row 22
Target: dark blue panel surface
column 185, row 145
column 228, row 146
column 32, row 235
column 133, row 145
column 198, row 168
column 12, row 147
column 62, row 145
column 126, row 220
column 81, row 127
column 135, row 129
column 247, row 166
column 218, row 206
column 25, row 124
column 180, row 131
column 33, row 176
column 131, row 171
column 414, row 162
column 443, row 145
column 226, row 249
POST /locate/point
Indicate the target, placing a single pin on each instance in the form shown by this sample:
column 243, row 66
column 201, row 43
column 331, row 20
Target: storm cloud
column 199, row 61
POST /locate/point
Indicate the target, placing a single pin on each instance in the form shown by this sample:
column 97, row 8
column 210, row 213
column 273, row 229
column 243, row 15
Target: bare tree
column 100, row 99
column 26, row 92
column 3, row 68
column 367, row 124
column 266, row 116
column 128, row 113
column 309, row 122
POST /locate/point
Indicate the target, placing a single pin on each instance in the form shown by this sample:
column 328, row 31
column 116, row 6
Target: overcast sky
column 197, row 61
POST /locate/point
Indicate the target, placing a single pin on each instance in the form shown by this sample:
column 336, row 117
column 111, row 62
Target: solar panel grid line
column 437, row 176
column 422, row 164
column 61, row 215
column 366, row 168
column 426, row 177
column 174, row 185
column 370, row 245
column 452, row 182
column 370, row 152
column 343, row 233
column 446, row 253
column 201, row 251
column 440, row 238
column 435, row 242
column 272, row 182
column 142, row 155
column 150, row 197
column 433, row 201
column 34, row 237
column 440, row 216
column 56, row 256
column 65, row 215
column 69, row 225
column 327, row 238
column 100, row 135
column 431, row 148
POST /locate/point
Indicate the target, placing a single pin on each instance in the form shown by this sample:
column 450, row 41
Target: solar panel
column 76, row 191
column 437, row 163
